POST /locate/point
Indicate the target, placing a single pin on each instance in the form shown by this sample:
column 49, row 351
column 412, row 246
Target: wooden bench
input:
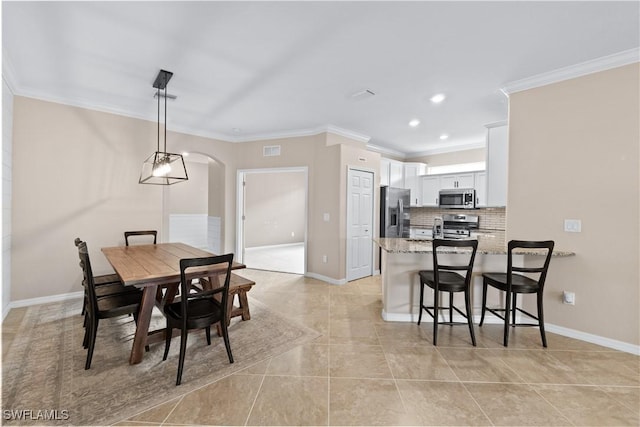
column 238, row 286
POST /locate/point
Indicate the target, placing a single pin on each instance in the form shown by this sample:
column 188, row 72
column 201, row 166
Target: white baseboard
column 326, row 279
column 43, row 300
column 594, row 339
column 490, row 319
column 376, row 272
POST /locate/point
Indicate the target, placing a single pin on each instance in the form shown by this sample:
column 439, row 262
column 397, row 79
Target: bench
column 238, row 286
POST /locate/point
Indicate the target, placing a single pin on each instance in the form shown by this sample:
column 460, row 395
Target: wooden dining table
column 153, row 268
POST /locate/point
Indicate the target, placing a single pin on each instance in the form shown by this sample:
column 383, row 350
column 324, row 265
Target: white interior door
column 359, row 224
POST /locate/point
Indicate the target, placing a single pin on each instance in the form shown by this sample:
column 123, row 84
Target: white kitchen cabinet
column 430, row 190
column 497, row 161
column 391, row 173
column 481, row 189
column 465, row 180
column 412, row 172
column 384, row 171
column 396, row 174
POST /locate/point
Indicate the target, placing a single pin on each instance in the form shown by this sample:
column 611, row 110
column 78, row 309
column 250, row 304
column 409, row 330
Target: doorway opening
column 272, row 219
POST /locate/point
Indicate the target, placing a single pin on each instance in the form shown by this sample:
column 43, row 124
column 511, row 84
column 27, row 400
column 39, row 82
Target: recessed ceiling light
column 185, row 154
column 444, row 136
column 413, row 123
column 438, row 98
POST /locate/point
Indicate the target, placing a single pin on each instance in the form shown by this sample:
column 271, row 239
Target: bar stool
column 513, row 284
column 444, row 278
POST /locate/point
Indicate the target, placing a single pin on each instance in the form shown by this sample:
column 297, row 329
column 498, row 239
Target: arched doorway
column 193, row 210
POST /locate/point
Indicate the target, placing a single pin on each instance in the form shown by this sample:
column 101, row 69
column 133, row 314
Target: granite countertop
column 488, row 244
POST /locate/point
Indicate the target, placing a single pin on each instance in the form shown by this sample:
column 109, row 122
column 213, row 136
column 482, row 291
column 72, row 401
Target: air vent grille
column 271, row 150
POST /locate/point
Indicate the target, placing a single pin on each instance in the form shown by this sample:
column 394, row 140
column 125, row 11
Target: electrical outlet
column 324, row 259
column 325, row 217
column 568, row 297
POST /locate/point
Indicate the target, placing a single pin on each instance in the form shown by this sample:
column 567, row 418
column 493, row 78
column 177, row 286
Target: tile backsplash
column 490, row 218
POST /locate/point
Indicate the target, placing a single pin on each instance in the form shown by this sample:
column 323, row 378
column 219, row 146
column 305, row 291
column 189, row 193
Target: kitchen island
column 401, row 259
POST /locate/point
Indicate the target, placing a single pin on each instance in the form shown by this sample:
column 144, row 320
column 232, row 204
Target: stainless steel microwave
column 458, row 198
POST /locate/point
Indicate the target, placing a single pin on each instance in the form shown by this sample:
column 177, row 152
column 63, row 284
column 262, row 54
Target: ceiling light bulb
column 436, row 99
column 413, row 123
column 444, row 136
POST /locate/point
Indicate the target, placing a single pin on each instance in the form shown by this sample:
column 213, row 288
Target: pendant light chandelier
column 162, row 167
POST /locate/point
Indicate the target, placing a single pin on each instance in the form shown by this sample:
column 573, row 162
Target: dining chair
column 104, row 307
column 445, row 278
column 198, row 308
column 105, row 284
column 513, row 283
column 128, row 234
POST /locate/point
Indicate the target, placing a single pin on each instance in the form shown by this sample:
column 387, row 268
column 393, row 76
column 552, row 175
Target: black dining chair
column 198, row 308
column 513, row 283
column 104, row 307
column 128, row 234
column 445, row 278
column 105, row 284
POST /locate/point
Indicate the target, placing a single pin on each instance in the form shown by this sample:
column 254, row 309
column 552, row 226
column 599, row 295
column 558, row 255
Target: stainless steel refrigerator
column 394, row 212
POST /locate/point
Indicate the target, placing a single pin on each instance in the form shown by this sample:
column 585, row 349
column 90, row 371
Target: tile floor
column 363, row 371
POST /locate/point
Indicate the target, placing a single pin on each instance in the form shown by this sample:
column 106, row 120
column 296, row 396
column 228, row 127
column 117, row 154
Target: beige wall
column 573, row 154
column 191, row 197
column 75, row 174
column 275, row 208
column 453, row 158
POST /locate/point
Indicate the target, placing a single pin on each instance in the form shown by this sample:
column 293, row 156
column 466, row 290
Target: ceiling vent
column 362, row 94
column 271, row 150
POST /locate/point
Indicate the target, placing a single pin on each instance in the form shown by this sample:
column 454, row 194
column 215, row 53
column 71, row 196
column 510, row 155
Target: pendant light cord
column 165, row 117
column 158, row 95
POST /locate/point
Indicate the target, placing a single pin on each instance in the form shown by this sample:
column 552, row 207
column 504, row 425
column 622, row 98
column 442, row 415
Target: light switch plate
column 325, row 217
column 573, row 225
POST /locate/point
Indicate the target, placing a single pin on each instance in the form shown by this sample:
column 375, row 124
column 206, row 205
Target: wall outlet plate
column 568, row 297
column 573, row 225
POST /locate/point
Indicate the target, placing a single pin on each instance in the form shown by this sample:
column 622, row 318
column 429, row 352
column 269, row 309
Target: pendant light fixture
column 162, row 167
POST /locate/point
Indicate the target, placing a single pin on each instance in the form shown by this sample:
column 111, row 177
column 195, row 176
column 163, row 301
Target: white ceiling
column 244, row 70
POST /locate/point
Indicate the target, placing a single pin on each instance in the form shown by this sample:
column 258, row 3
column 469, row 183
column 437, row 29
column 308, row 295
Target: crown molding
column 296, row 133
column 615, row 60
column 8, row 73
column 449, row 149
column 384, row 150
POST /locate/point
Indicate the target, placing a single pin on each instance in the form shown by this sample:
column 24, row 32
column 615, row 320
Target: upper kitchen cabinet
column 412, row 172
column 464, row 180
column 430, row 190
column 391, row 173
column 497, row 160
column 481, row 189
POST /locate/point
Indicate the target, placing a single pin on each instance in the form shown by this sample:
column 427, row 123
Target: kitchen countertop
column 488, row 244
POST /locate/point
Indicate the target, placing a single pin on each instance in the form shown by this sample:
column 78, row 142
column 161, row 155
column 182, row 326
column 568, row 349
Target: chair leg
column 168, row 334
column 93, row 331
column 506, row 318
column 467, row 303
column 421, row 301
column 450, row 307
column 484, row 301
column 183, row 349
column 541, row 320
column 207, row 332
column 436, row 294
column 513, row 308
column 225, row 336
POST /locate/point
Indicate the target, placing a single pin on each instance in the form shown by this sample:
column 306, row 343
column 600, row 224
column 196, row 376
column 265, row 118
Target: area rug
column 44, row 381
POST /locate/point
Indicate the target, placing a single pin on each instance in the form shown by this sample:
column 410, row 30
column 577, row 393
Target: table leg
column 144, row 319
